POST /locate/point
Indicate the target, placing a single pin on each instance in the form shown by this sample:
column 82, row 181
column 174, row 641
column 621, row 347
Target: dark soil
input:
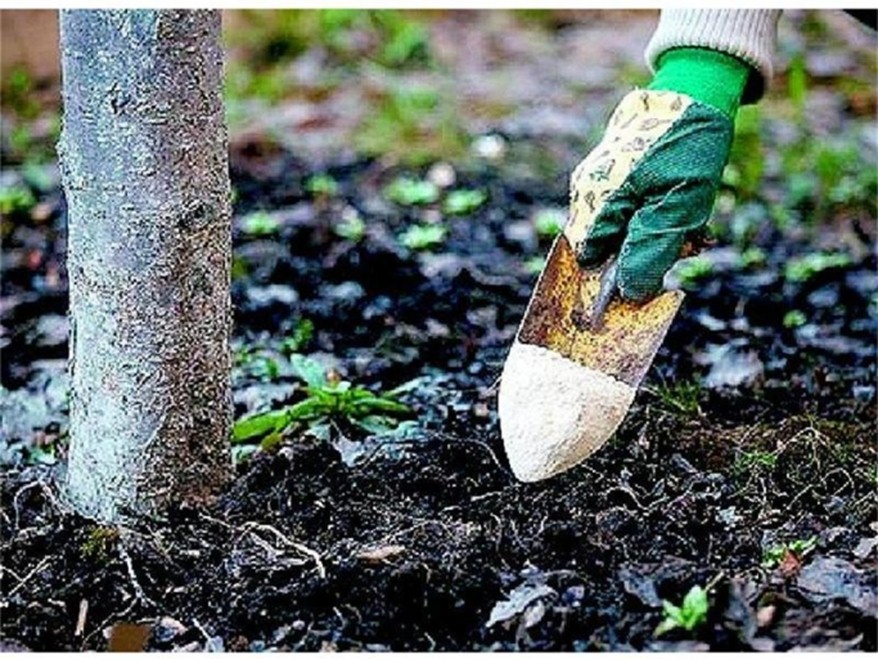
column 414, row 545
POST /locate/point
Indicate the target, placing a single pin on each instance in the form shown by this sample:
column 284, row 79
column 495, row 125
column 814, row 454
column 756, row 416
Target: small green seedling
column 254, row 363
column 804, row 268
column 692, row 613
column 535, row 264
column 463, row 202
column 351, row 228
column 694, row 270
column 752, row 256
column 421, row 237
column 794, row 318
column 328, row 399
column 259, row 224
column 773, row 556
column 16, row 200
column 299, row 339
column 412, row 192
column 549, row 222
column 680, row 397
column 322, row 185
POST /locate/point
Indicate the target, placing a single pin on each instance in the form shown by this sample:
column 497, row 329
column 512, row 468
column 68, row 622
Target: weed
column 681, row 397
column 694, row 270
column 329, row 399
column 16, row 200
column 322, row 185
column 753, row 256
column 794, row 318
column 754, row 461
column 690, row 615
column 535, row 264
column 803, row 268
column 352, row 227
column 99, row 543
column 17, row 94
column 746, row 160
column 254, row 363
column 299, row 339
column 259, row 223
column 549, row 222
column 420, row 237
column 411, row 192
column 773, row 556
column 414, row 126
column 463, row 202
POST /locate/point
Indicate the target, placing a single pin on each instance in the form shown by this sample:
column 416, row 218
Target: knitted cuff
column 748, row 34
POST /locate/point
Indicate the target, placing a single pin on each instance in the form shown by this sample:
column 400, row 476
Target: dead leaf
column 518, row 600
column 127, row 637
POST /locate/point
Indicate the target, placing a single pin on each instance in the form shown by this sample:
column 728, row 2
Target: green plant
column 681, row 397
column 17, row 94
column 328, row 400
column 746, row 160
column 16, row 200
column 534, row 265
column 413, row 125
column 690, row 615
column 463, row 202
column 693, row 270
column 794, row 318
column 805, row 267
column 99, row 543
column 322, row 185
column 411, row 192
column 754, row 462
column 753, row 256
column 259, row 223
column 773, row 556
column 256, row 364
column 299, row 339
column 420, row 237
column 549, row 222
column 352, row 227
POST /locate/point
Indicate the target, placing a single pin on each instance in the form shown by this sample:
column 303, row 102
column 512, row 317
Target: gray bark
column 144, row 163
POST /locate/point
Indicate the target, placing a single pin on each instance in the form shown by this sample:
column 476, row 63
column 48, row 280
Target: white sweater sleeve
column 749, row 34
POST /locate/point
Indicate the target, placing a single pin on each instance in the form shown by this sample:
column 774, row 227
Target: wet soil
column 412, row 543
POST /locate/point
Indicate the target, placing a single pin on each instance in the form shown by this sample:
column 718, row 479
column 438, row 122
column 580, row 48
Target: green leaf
column 375, row 424
column 306, row 410
column 309, row 370
column 423, row 236
column 258, row 424
column 410, row 192
column 695, row 607
column 549, row 222
column 259, row 224
column 463, row 202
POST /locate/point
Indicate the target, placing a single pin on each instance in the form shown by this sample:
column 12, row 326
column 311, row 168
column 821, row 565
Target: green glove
column 650, row 184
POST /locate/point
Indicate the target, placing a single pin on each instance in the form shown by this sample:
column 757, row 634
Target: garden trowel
column 577, row 360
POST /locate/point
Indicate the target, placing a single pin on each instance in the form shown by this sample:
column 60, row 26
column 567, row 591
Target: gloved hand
column 650, row 184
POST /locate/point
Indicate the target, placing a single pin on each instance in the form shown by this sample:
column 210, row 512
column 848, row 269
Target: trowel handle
column 605, row 294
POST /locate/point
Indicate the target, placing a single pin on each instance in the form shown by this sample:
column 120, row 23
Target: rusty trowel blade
column 568, row 380
column 558, row 318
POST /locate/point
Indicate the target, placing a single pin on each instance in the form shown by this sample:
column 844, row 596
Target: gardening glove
column 649, row 186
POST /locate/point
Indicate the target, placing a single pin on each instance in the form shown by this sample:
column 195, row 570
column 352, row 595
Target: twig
column 80, row 620
column 30, row 574
column 138, row 590
column 321, row 570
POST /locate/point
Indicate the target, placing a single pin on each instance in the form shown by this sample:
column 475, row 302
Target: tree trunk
column 145, row 169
